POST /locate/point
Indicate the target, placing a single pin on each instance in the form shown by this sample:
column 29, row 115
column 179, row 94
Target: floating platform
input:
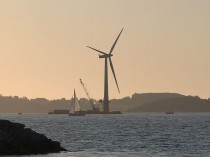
column 84, row 112
column 59, row 112
column 101, row 112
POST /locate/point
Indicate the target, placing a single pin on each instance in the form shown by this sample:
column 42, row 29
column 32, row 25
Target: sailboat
column 75, row 109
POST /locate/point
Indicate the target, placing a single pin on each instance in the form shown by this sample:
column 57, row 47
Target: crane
column 88, row 96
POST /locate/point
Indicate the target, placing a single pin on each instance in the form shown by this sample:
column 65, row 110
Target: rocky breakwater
column 15, row 139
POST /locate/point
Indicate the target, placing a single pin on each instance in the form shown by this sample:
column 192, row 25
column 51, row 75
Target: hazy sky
column 165, row 47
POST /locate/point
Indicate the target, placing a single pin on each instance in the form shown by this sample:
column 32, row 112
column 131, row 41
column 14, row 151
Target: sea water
column 142, row 134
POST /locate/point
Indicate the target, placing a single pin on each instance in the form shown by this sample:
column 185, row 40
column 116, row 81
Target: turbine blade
column 111, row 65
column 97, row 50
column 115, row 42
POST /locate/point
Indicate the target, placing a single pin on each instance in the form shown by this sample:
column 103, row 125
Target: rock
column 15, row 139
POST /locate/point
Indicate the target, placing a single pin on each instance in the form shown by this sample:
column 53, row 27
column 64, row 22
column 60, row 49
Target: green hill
column 138, row 100
column 178, row 104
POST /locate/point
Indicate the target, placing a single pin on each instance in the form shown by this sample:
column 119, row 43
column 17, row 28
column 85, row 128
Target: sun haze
column 164, row 47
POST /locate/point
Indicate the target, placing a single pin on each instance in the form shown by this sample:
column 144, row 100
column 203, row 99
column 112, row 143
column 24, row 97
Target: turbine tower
column 107, row 57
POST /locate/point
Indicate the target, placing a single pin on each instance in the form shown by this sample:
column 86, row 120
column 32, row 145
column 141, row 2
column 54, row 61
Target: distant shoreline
column 144, row 102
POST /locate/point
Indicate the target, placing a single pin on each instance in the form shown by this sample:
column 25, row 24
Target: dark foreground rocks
column 17, row 140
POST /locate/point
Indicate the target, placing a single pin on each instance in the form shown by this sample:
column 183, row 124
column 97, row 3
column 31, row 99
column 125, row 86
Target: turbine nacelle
column 105, row 56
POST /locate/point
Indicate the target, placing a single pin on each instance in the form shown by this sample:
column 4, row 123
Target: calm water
column 142, row 135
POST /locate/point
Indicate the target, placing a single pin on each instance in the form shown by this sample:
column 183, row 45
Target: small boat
column 169, row 112
column 75, row 109
column 19, row 113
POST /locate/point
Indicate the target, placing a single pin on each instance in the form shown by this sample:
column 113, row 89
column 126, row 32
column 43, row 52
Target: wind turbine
column 107, row 57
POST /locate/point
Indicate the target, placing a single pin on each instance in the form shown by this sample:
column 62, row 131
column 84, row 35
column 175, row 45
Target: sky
column 164, row 47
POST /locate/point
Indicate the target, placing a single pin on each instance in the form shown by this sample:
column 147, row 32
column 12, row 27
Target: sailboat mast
column 74, row 97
